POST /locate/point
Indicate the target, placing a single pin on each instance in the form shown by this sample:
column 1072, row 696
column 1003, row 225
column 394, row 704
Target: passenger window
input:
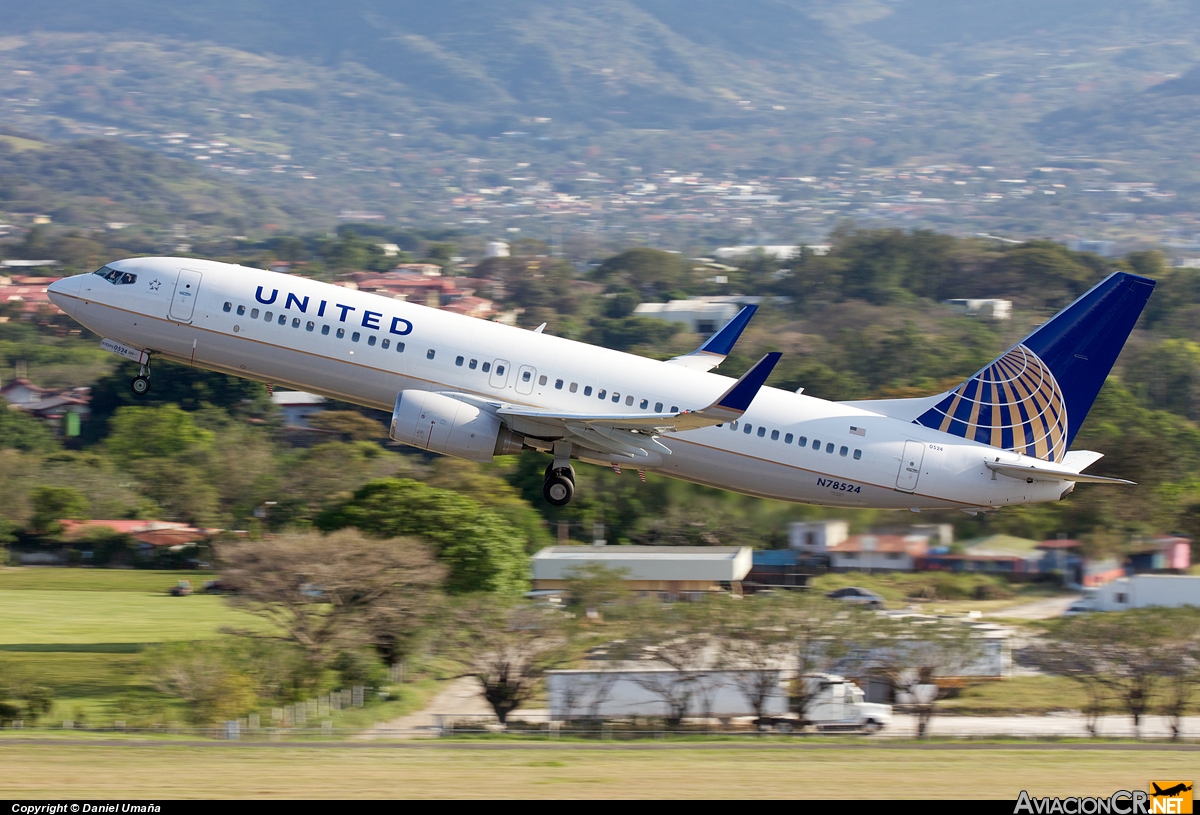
column 487, row 366
column 499, row 370
column 587, row 391
column 802, row 441
column 558, row 383
column 829, row 447
column 295, row 322
column 385, row 343
column 658, row 407
column 283, row 319
column 747, row 429
column 733, row 425
column 473, row 364
column 325, row 330
column 542, row 380
column 269, row 316
column 399, row 348
column 762, row 431
column 774, row 435
column 787, row 439
column 458, row 361
column 354, row 337
column 674, row 409
column 857, row 455
column 574, row 387
column 430, row 354
column 628, row 401
column 645, row 403
column 227, row 307
column 311, row 325
column 526, row 376
column 371, row 340
column 341, row 332
column 601, row 394
column 241, row 310
column 816, row 444
column 844, row 450
column 616, row 397
column 253, row 314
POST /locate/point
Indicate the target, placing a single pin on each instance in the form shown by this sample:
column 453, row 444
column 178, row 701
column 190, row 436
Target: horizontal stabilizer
column 713, row 352
column 1027, row 473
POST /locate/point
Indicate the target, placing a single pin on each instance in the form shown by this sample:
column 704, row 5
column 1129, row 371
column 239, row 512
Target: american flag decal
column 857, row 431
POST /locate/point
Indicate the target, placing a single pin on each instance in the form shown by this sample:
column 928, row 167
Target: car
column 857, row 596
column 1078, row 607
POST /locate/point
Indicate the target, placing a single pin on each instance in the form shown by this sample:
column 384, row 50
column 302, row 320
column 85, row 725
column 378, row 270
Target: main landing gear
column 559, row 487
column 140, row 384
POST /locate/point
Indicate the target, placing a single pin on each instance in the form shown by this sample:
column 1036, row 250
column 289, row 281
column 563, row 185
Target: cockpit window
column 115, row 277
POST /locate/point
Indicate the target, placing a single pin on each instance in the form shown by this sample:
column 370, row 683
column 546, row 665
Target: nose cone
column 64, row 293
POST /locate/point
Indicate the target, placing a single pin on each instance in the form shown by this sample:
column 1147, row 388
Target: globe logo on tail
column 1014, row 404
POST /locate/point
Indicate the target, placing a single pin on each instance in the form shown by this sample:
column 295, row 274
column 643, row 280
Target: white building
column 700, row 316
column 297, row 406
column 984, row 309
column 816, row 537
column 1143, row 590
column 779, row 252
column 496, row 249
column 669, row 572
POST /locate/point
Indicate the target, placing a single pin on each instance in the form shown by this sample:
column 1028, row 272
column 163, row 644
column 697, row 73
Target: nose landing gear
column 140, row 384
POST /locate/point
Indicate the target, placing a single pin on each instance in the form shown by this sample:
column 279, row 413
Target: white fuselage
column 346, row 344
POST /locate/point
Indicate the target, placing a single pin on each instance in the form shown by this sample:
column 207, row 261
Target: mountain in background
column 372, row 105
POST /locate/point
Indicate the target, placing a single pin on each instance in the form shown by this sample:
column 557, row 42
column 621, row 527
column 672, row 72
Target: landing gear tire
column 559, row 488
column 140, row 385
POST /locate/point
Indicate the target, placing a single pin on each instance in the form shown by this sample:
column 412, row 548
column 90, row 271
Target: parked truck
column 833, row 703
column 1139, row 591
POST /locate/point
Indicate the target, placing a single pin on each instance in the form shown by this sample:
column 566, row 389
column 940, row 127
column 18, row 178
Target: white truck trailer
column 836, row 703
column 1142, row 590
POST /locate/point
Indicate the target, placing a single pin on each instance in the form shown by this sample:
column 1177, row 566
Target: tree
column 928, row 658
column 349, row 424
column 323, row 592
column 507, row 647
column 52, row 504
column 683, row 639
column 758, row 646
column 481, row 550
column 20, row 431
column 205, row 677
column 594, row 586
column 1130, row 656
column 154, row 432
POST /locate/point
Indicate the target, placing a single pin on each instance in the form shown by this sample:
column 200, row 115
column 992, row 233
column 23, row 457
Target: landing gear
column 141, row 383
column 559, row 486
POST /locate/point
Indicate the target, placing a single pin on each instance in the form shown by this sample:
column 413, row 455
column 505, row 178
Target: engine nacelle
column 441, row 424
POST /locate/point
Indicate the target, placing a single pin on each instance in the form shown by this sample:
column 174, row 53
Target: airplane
column 474, row 389
column 1170, row 792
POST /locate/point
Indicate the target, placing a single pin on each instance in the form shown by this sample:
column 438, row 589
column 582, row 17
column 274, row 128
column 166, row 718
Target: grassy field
column 83, row 633
column 94, row 771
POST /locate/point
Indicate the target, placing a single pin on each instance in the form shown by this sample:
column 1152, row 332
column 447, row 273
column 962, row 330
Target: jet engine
column 443, row 424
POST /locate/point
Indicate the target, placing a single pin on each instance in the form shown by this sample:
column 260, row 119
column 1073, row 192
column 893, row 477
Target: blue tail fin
column 1033, row 399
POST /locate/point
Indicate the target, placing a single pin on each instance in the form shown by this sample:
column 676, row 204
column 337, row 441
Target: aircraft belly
column 725, row 469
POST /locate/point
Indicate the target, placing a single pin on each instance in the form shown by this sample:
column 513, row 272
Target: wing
column 630, row 435
column 713, row 352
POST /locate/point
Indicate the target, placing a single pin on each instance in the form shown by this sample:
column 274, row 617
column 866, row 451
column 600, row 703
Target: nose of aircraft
column 63, row 293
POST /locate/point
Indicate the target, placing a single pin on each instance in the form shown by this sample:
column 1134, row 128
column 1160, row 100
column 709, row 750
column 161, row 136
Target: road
column 1037, row 610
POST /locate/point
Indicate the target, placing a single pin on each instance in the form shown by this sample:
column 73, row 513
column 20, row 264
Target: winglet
column 714, row 350
column 735, row 401
column 745, row 389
